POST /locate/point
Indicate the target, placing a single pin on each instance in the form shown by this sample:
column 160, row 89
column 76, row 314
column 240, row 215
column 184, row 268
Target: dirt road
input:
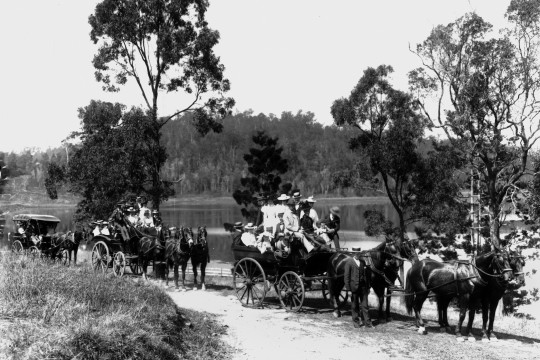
column 273, row 333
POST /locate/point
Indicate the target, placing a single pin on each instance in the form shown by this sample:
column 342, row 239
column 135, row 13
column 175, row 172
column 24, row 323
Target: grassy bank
column 50, row 311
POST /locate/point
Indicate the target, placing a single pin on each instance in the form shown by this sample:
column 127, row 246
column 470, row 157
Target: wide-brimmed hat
column 334, row 210
column 250, row 226
column 283, row 197
column 296, row 194
column 155, row 212
column 311, row 199
column 238, row 225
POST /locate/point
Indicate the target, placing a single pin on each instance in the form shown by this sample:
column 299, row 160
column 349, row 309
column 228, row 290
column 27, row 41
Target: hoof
column 422, row 330
column 203, row 287
column 442, row 329
column 485, row 339
column 460, row 339
column 493, row 338
column 336, row 314
column 194, row 288
column 471, row 338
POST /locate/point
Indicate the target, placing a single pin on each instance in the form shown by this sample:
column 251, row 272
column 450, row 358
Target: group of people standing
column 287, row 218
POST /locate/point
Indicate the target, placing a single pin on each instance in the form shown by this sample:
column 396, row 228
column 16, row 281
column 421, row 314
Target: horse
column 450, row 279
column 69, row 241
column 200, row 256
column 490, row 295
column 177, row 253
column 383, row 261
column 150, row 248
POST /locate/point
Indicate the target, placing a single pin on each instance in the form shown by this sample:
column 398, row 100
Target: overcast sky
column 280, row 55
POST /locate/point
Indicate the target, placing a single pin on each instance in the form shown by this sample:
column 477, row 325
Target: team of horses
column 480, row 282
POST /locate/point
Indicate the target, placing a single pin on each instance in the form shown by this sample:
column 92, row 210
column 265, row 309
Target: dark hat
column 238, row 225
column 334, row 210
column 296, row 193
column 132, row 209
column 356, row 249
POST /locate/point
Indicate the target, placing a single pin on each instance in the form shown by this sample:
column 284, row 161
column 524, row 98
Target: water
column 213, row 215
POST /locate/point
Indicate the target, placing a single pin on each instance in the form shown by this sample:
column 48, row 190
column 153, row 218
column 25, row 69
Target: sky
column 280, row 55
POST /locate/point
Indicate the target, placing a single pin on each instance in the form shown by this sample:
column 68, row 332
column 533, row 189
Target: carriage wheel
column 135, row 267
column 100, row 257
column 63, row 258
column 119, row 264
column 17, row 247
column 34, row 253
column 249, row 282
column 291, row 291
column 343, row 295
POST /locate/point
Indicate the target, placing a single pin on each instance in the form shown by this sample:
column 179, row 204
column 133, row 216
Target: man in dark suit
column 356, row 276
column 331, row 226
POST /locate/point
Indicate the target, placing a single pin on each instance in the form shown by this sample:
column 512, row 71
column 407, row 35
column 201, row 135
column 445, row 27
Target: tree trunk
column 495, row 226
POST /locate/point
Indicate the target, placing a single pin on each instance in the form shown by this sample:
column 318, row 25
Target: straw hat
column 334, row 210
column 296, row 194
column 283, row 197
column 249, row 226
column 311, row 199
column 238, row 225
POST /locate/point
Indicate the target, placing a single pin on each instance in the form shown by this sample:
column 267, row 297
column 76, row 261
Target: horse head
column 500, row 265
column 201, row 235
column 391, row 256
column 517, row 262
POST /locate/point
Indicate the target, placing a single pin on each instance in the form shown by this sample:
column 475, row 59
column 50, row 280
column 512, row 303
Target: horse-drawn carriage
column 254, row 272
column 35, row 235
column 113, row 252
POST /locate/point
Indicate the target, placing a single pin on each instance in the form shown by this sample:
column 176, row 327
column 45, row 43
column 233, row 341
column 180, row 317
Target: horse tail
column 409, row 294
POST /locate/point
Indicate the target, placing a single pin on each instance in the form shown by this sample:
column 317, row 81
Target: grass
column 53, row 312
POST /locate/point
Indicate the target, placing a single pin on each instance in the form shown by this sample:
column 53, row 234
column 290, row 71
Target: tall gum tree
column 389, row 127
column 164, row 46
column 486, row 89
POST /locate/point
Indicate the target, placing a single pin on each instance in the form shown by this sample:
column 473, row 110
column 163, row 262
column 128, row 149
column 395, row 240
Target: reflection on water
column 214, row 215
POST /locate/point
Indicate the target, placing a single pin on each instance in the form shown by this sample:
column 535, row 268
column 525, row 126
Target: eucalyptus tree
column 485, row 88
column 164, row 46
column 389, row 128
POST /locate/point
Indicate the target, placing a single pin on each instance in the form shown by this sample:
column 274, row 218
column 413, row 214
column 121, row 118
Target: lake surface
column 214, row 215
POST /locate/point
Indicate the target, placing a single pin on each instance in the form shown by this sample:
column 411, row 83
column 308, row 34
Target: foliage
column 390, row 129
column 113, row 160
column 265, row 165
column 72, row 312
column 165, row 46
column 486, row 88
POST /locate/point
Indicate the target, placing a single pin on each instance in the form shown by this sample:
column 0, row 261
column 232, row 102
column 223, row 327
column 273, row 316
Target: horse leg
column 333, row 295
column 472, row 311
column 492, row 311
column 175, row 270
column 418, row 303
column 380, row 295
column 203, row 274
column 388, row 299
column 184, row 266
column 463, row 307
column 485, row 316
column 194, row 266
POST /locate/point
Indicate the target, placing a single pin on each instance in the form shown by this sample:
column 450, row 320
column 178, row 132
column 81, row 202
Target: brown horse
column 151, row 248
column 177, row 252
column 200, row 256
column 448, row 280
column 490, row 295
column 383, row 261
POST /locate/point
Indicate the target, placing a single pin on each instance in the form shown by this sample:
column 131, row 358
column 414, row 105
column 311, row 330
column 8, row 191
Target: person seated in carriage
column 281, row 241
column 248, row 237
column 330, row 226
column 265, row 240
column 292, row 226
column 156, row 217
column 146, row 221
column 143, row 206
column 133, row 218
column 118, row 219
column 308, row 224
column 104, row 227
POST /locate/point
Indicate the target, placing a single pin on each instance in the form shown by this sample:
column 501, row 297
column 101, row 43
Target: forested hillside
column 320, row 161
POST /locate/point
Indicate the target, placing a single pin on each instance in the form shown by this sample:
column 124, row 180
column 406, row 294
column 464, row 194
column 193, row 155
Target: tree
column 390, row 131
column 265, row 165
column 486, row 88
column 112, row 160
column 165, row 46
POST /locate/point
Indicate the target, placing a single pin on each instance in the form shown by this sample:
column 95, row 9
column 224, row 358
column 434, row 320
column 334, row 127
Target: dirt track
column 314, row 333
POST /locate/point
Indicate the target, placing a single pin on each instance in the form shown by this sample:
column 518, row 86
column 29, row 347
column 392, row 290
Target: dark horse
column 383, row 261
column 177, row 251
column 448, row 280
column 151, row 248
column 490, row 295
column 69, row 241
column 200, row 256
